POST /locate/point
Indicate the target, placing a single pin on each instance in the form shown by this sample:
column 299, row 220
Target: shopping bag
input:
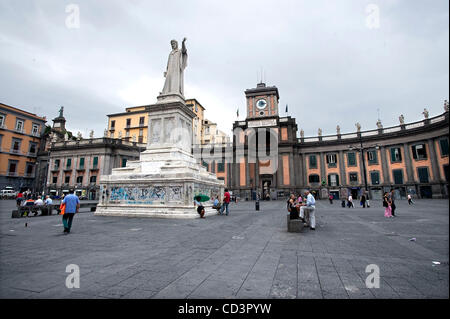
column 62, row 207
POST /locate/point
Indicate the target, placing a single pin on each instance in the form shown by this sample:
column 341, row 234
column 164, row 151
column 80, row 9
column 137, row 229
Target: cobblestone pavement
column 248, row 254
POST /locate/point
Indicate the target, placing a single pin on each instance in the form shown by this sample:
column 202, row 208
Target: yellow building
column 129, row 125
column 134, row 123
column 20, row 138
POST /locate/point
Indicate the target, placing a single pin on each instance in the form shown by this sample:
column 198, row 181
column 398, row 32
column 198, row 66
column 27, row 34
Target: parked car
column 8, row 193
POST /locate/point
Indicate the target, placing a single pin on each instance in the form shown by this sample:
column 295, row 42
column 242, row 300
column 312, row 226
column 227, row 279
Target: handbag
column 62, row 207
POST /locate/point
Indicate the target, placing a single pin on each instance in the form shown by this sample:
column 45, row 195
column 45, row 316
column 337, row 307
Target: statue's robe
column 175, row 68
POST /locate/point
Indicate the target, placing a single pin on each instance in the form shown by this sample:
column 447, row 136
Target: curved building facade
column 411, row 158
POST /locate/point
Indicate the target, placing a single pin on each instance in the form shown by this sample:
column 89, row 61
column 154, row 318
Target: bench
column 45, row 210
column 296, row 225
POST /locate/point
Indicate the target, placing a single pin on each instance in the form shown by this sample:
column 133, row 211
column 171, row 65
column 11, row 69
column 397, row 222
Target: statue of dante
column 61, row 110
column 176, row 64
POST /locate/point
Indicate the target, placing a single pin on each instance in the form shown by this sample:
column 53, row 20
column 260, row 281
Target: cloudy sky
column 334, row 62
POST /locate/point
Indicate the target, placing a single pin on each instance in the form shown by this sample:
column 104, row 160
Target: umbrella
column 203, row 198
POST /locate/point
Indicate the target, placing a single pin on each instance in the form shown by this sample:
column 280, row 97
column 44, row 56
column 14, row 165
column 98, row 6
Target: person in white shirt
column 48, row 200
column 310, row 206
column 38, row 202
column 350, row 202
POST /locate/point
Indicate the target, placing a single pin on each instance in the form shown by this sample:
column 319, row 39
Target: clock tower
column 262, row 101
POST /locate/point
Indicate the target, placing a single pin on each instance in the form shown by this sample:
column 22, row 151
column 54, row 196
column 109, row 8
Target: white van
column 8, row 193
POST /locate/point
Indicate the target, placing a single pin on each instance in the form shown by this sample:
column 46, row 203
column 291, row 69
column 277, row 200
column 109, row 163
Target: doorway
column 266, row 189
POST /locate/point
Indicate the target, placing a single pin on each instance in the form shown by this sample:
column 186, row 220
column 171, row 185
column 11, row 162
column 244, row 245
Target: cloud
column 327, row 64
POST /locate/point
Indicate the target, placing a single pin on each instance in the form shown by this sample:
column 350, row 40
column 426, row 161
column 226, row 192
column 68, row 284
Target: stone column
column 434, row 162
column 342, row 171
column 304, row 172
column 408, row 164
column 322, row 169
column 385, row 166
column 292, row 175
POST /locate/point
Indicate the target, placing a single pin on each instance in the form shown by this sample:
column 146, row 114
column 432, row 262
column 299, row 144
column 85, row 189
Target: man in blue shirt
column 72, row 206
column 310, row 207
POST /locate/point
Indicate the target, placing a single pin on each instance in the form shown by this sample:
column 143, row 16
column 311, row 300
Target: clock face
column 261, row 104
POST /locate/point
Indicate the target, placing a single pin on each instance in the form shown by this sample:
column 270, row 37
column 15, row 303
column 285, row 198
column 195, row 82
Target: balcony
column 11, row 174
column 29, row 175
column 14, row 151
column 68, row 169
column 81, row 168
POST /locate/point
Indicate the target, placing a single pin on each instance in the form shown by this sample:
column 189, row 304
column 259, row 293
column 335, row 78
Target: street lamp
column 361, row 149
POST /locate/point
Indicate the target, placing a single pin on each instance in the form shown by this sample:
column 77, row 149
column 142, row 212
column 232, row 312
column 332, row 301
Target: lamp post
column 361, row 149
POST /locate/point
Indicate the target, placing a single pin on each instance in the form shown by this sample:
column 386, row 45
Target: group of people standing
column 389, row 204
column 298, row 206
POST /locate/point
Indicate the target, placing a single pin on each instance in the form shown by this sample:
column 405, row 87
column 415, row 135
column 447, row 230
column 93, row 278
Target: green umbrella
column 203, row 198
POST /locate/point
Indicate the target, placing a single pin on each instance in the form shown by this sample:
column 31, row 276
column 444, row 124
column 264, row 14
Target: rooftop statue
column 401, row 119
column 425, row 113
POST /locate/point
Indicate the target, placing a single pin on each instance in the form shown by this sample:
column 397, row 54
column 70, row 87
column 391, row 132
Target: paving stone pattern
column 248, row 254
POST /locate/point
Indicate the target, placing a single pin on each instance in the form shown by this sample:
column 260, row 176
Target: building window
column 69, row 163
column 124, row 162
column 205, row 165
column 423, row 174
column 127, row 134
column 196, row 108
column 351, row 159
column 57, row 162
column 419, row 151
column 80, row 179
column 353, row 177
column 220, row 167
column 445, row 167
column 16, row 145
column 55, row 179
column 331, row 160
column 140, row 139
column 443, row 143
column 333, row 180
column 141, row 120
column 398, row 176
column 32, row 148
column 93, row 179
column 95, row 162
column 30, row 169
column 314, row 178
column 113, row 125
column 19, row 125
column 2, row 120
column 67, row 179
column 12, row 168
column 372, row 157
column 396, row 155
column 82, row 163
column 375, row 178
column 35, row 130
column 128, row 122
column 141, row 132
column 312, row 161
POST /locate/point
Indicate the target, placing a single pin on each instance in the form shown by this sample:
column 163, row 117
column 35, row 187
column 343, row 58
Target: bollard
column 257, row 205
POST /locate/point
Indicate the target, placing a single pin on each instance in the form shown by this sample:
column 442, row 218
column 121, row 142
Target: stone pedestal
column 165, row 179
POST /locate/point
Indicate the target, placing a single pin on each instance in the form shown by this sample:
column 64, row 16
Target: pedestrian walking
column 331, row 198
column 72, row 204
column 363, row 200
column 226, row 202
column 19, row 198
column 387, row 205
column 350, row 202
column 410, row 201
column 393, row 207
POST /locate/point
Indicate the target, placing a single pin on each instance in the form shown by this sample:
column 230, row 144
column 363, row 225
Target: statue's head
column 174, row 44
